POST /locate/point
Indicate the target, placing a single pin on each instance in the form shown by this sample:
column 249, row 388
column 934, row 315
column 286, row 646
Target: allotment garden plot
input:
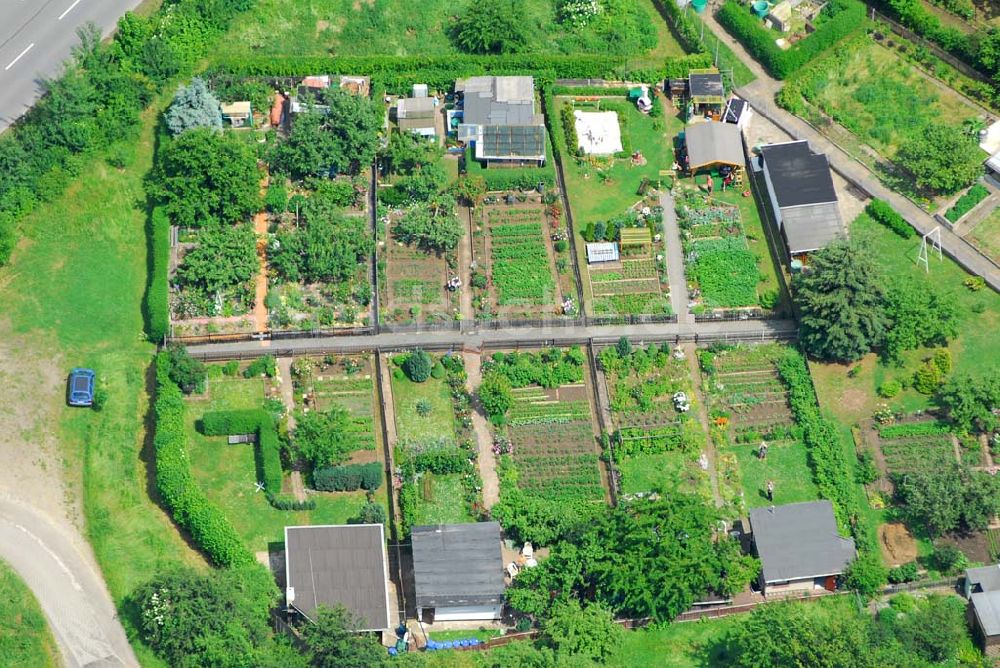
column 413, row 282
column 749, row 409
column 518, row 271
column 657, row 439
column 320, row 384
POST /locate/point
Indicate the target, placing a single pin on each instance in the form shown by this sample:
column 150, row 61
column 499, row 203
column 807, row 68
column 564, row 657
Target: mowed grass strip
column 25, row 638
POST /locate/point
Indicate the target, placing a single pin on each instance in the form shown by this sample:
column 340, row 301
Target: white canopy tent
column 597, row 132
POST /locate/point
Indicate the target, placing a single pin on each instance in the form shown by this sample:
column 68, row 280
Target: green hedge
column 348, row 478
column 515, row 178
column 396, row 74
column 251, row 421
column 967, row 202
column 155, row 304
column 689, row 29
column 191, row 510
column 846, row 17
column 881, row 212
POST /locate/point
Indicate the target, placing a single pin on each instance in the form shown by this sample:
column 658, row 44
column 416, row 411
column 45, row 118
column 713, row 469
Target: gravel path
column 487, row 462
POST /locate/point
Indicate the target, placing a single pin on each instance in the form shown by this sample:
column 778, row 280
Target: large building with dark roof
column 802, row 196
column 799, row 547
column 982, row 588
column 500, row 121
column 458, row 571
column 339, row 564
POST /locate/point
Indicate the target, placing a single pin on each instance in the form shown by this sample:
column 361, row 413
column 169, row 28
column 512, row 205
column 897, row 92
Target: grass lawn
column 347, row 27
column 786, row 464
column 73, row 293
column 686, row 645
column 974, row 351
column 411, row 426
column 643, row 473
column 25, row 638
column 445, row 503
column 986, row 235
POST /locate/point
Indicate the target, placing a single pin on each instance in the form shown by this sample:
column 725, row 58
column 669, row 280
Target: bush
column 948, row 559
column 867, row 472
column 155, row 306
column 881, row 212
column 927, row 378
column 348, row 478
column 276, row 198
column 370, row 513
column 188, row 373
column 230, row 368
column 866, row 574
column 224, row 423
column 905, row 573
column 889, row 389
column 967, row 202
column 418, row 366
column 262, row 366
column 286, row 503
column 437, row 371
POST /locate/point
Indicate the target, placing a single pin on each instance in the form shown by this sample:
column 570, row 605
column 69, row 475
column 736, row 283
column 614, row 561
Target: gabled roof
column 346, row 564
column 987, row 607
column 511, row 142
column 798, row 175
column 987, row 577
column 809, row 228
column 705, row 87
column 711, row 143
column 799, row 541
column 416, row 107
column 457, row 564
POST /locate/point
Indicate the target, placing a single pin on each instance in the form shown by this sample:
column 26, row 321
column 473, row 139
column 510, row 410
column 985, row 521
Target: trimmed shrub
column 881, row 212
column 890, row 388
column 967, row 202
column 266, row 366
column 437, row 371
column 287, row 503
column 515, row 178
column 155, row 304
column 223, row 423
column 418, row 366
column 348, row 478
column 256, row 421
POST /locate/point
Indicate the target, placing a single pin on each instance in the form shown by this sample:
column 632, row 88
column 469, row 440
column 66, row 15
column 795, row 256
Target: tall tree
column 942, row 158
column 841, row 300
column 579, row 632
column 918, row 317
column 194, row 106
column 949, row 498
column 970, row 401
column 325, row 438
column 333, row 643
column 491, row 26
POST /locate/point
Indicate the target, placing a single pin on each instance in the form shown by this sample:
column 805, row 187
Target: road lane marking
column 19, row 56
column 75, row 3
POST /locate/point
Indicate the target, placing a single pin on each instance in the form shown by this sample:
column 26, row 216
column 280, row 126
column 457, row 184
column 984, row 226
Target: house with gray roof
column 802, row 196
column 326, row 565
column 982, row 588
column 458, row 572
column 799, row 547
column 500, row 121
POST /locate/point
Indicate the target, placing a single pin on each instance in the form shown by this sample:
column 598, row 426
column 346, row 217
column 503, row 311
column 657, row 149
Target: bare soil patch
column 898, row 545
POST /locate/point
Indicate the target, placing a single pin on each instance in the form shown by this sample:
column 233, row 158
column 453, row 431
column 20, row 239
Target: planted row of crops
column 546, row 412
column 725, row 270
column 520, row 262
column 745, row 387
column 918, row 453
column 355, row 395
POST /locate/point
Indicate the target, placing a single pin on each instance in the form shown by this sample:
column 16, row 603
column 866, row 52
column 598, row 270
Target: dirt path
column 260, row 283
column 713, row 474
column 675, row 259
column 487, row 462
column 464, row 265
column 288, row 398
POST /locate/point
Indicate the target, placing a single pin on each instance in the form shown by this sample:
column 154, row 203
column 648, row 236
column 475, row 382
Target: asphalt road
column 35, row 39
column 68, row 587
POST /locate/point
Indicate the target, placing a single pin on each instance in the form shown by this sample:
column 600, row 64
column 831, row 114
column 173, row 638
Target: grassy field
column 73, row 294
column 349, row 27
column 787, row 465
column 973, row 351
column 642, row 473
column 25, row 638
column 986, row 235
column 412, row 426
column 445, row 501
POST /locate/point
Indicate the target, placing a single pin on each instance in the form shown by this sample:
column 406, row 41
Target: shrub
column 881, row 212
column 967, row 202
column 285, row 503
column 496, row 395
column 155, row 306
column 561, row 246
column 948, row 559
column 100, row 398
column 418, row 366
column 866, row 574
column 262, row 366
column 890, row 388
column 223, row 423
column 905, row 573
column 437, row 371
column 230, row 368
column 942, row 360
column 348, row 478
column 370, row 513
column 423, row 408
column 866, row 472
column 188, row 373
column 276, row 199
column 927, row 378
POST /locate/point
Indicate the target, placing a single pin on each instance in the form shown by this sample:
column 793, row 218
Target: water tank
column 419, row 90
column 796, row 266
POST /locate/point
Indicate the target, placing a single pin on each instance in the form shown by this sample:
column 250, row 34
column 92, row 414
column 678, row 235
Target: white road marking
column 75, row 3
column 19, row 56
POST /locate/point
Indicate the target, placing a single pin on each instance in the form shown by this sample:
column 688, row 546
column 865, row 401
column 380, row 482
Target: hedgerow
column 348, row 478
column 191, row 510
column 967, row 202
column 881, row 212
column 155, row 304
column 844, row 17
column 515, row 178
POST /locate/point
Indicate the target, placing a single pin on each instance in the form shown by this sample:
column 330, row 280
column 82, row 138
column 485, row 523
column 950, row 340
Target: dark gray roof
column 705, row 85
column 345, row 564
column 987, row 607
column 987, row 577
column 457, row 564
column 809, row 228
column 798, row 175
column 799, row 540
column 499, row 101
column 511, row 141
column 735, row 109
column 709, row 142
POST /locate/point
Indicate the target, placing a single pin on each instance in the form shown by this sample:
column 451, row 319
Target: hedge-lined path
column 675, row 259
column 691, row 354
column 260, row 283
column 760, row 94
column 484, row 438
column 288, row 398
column 465, row 264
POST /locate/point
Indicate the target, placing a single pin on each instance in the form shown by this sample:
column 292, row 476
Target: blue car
column 81, row 387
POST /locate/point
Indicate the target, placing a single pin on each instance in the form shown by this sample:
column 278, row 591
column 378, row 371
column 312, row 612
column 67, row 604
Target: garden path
column 288, row 398
column 389, row 421
column 690, row 353
column 464, row 264
column 760, row 94
column 675, row 259
column 260, row 283
column 484, row 438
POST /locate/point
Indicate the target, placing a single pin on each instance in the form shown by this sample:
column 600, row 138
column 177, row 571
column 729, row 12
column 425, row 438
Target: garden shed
column 602, row 251
column 458, row 572
column 706, row 92
column 799, row 547
column 597, row 132
column 711, row 145
column 982, row 589
column 802, row 196
column 345, row 564
column 416, row 115
column 239, row 114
